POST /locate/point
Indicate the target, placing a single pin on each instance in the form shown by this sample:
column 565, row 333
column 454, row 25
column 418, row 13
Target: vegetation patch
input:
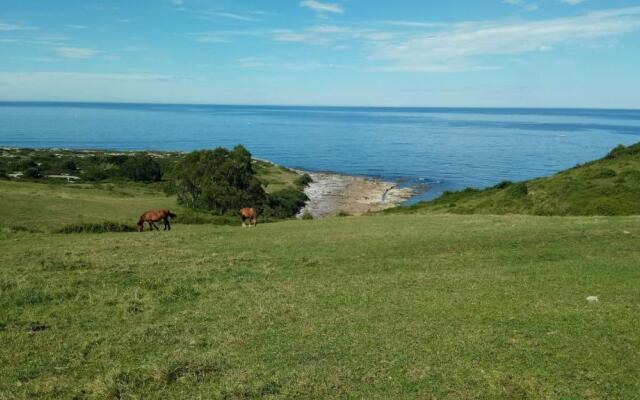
column 102, row 227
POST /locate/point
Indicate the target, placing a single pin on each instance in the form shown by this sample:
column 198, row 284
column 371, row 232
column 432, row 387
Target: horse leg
column 167, row 224
column 153, row 225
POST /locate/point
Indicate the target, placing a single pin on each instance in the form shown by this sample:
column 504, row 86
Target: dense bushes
column 33, row 173
column 285, row 203
column 142, row 168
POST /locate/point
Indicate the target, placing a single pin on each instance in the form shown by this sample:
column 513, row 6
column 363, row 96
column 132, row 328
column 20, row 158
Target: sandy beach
column 331, row 194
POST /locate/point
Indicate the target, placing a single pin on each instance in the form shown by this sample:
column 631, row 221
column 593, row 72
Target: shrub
column 142, row 168
column 95, row 173
column 519, row 190
column 33, row 173
column 285, row 203
column 343, row 214
column 69, row 165
column 503, row 185
column 307, row 215
column 304, row 180
column 24, row 165
column 616, row 152
column 103, row 227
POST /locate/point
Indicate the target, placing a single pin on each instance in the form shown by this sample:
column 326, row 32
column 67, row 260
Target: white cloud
column 76, row 52
column 322, row 8
column 573, row 2
column 460, row 46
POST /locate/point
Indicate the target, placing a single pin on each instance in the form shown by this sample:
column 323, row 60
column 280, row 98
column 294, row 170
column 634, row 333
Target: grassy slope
column 610, row 186
column 45, row 206
column 415, row 306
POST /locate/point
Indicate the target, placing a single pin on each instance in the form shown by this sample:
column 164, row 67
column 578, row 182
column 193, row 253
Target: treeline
column 32, row 164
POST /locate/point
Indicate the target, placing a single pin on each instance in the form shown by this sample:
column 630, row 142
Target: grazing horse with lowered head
column 154, row 216
column 249, row 214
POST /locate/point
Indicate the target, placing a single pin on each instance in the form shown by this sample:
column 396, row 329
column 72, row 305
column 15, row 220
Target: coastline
column 331, row 194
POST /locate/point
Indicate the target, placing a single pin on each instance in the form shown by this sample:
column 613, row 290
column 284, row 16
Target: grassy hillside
column 610, row 186
column 426, row 306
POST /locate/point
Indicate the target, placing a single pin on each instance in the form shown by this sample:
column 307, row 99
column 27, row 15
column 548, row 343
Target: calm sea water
column 446, row 148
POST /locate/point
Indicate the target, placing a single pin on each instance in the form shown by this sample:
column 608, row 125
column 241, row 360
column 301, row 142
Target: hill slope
column 609, row 186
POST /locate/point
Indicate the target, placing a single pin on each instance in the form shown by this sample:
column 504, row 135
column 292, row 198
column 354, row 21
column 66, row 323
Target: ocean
column 445, row 148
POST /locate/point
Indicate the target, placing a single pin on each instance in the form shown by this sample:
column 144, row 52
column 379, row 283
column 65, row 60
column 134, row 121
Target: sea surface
column 446, row 148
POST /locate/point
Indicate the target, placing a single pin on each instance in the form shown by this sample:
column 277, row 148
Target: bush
column 95, row 173
column 218, row 180
column 285, row 203
column 617, row 151
column 33, row 173
column 503, row 185
column 304, row 180
column 519, row 190
column 307, row 215
column 103, row 227
column 343, row 214
column 69, row 165
column 23, row 165
column 142, row 168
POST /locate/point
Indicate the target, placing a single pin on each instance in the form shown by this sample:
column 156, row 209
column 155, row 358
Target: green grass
column 402, row 306
column 610, row 186
column 275, row 177
column 47, row 207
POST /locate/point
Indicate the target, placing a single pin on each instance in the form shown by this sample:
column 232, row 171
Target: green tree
column 218, row 180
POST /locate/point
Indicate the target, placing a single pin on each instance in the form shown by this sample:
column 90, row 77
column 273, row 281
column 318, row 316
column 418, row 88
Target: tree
column 143, row 168
column 218, row 180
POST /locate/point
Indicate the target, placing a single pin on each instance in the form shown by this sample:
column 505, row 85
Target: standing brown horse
column 155, row 216
column 249, row 214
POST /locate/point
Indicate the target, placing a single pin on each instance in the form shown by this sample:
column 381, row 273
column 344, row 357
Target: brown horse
column 249, row 214
column 155, row 216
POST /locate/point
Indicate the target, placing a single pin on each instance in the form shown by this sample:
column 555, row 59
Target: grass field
column 401, row 306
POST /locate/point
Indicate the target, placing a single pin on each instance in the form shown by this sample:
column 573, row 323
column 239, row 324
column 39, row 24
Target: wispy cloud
column 461, row 46
column 6, row 27
column 76, row 52
column 322, row 8
column 52, row 76
column 228, row 15
column 464, row 46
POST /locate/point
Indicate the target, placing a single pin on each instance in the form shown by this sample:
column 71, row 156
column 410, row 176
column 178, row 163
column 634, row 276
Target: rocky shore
column 331, row 194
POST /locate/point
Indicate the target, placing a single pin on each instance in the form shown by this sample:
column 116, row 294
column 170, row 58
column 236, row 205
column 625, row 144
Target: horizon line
column 92, row 102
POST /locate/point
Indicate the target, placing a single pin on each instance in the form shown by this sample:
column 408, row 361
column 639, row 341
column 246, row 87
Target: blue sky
column 524, row 53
